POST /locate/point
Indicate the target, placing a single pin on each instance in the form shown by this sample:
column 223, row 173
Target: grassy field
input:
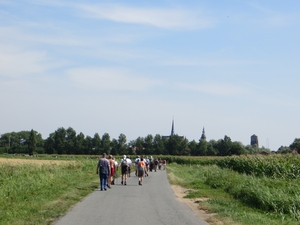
column 241, row 190
column 241, row 198
column 34, row 191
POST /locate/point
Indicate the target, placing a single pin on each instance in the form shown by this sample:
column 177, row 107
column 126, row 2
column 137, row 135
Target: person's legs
column 108, row 181
column 101, row 182
column 125, row 178
column 139, row 178
column 142, row 177
column 105, row 181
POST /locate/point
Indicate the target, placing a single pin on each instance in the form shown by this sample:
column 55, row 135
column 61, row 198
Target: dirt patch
column 193, row 204
column 31, row 161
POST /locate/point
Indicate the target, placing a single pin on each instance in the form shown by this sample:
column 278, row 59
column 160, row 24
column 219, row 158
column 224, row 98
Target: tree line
column 67, row 141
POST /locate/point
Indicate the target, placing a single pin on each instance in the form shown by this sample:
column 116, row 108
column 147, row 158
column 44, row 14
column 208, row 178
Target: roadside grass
column 38, row 194
column 239, row 198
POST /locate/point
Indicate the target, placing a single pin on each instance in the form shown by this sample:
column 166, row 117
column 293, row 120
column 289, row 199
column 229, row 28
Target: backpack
column 124, row 162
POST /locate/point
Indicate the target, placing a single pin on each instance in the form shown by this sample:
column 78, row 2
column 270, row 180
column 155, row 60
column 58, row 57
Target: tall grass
column 246, row 199
column 32, row 194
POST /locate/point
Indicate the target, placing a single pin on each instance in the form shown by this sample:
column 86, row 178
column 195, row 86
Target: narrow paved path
column 152, row 203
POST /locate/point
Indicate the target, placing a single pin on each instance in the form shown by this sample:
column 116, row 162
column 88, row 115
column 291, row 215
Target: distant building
column 203, row 136
column 172, row 132
column 254, row 141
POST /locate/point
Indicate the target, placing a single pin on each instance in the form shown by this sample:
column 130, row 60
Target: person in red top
column 112, row 170
column 141, row 171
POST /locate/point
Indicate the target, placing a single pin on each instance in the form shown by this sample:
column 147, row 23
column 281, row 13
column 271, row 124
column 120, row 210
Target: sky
column 131, row 67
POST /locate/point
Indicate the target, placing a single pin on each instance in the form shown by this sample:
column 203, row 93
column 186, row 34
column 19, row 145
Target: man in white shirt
column 129, row 163
column 124, row 169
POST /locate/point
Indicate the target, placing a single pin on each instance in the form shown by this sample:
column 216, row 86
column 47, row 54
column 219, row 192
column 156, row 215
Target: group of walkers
column 106, row 168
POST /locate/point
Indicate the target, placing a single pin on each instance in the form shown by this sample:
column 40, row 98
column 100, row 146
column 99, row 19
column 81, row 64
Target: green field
column 241, row 190
column 247, row 190
column 37, row 193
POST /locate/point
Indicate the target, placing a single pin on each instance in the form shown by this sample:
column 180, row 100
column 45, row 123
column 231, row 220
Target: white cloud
column 272, row 18
column 206, row 62
column 15, row 62
column 216, row 89
column 110, row 79
column 10, row 34
column 163, row 18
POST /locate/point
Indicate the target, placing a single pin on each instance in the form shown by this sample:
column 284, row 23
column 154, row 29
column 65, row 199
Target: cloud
column 272, row 18
column 162, row 18
column 15, row 62
column 215, row 89
column 110, row 79
column 28, row 34
column 210, row 63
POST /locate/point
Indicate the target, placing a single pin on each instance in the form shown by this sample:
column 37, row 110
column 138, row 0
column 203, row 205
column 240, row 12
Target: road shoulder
column 181, row 192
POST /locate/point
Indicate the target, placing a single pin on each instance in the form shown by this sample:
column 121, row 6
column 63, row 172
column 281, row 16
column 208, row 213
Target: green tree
column 148, row 145
column 202, row 147
column 172, row 145
column 131, row 149
column 88, row 146
column 158, row 145
column 193, row 146
column 184, row 147
column 122, row 144
column 284, row 150
column 139, row 146
column 79, row 144
column 96, row 144
column 295, row 145
column 49, row 144
column 32, row 143
column 70, row 141
column 60, row 140
column 237, row 148
column 224, row 146
column 212, row 148
column 105, row 144
column 114, row 147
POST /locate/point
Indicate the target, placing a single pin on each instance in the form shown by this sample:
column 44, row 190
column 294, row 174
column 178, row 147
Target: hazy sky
column 132, row 66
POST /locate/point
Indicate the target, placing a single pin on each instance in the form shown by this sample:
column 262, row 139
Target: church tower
column 172, row 130
column 203, row 136
column 254, row 141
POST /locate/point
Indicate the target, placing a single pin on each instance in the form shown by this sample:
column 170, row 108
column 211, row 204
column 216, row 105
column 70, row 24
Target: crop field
column 247, row 189
column 37, row 191
column 266, row 185
column 18, row 161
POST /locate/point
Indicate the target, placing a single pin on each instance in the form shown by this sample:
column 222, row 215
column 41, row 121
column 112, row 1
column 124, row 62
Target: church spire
column 172, row 130
column 203, row 136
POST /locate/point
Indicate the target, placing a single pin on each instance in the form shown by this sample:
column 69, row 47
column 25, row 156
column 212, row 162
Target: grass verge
column 38, row 194
column 236, row 197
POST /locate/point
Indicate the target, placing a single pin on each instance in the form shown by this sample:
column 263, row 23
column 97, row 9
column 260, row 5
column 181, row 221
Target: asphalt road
column 153, row 203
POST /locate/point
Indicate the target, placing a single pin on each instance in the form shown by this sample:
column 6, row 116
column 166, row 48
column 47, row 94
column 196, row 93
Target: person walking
column 136, row 163
column 141, row 169
column 124, row 170
column 116, row 169
column 103, row 169
column 112, row 171
column 129, row 163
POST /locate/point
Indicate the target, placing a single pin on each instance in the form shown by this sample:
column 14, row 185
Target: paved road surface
column 153, row 203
